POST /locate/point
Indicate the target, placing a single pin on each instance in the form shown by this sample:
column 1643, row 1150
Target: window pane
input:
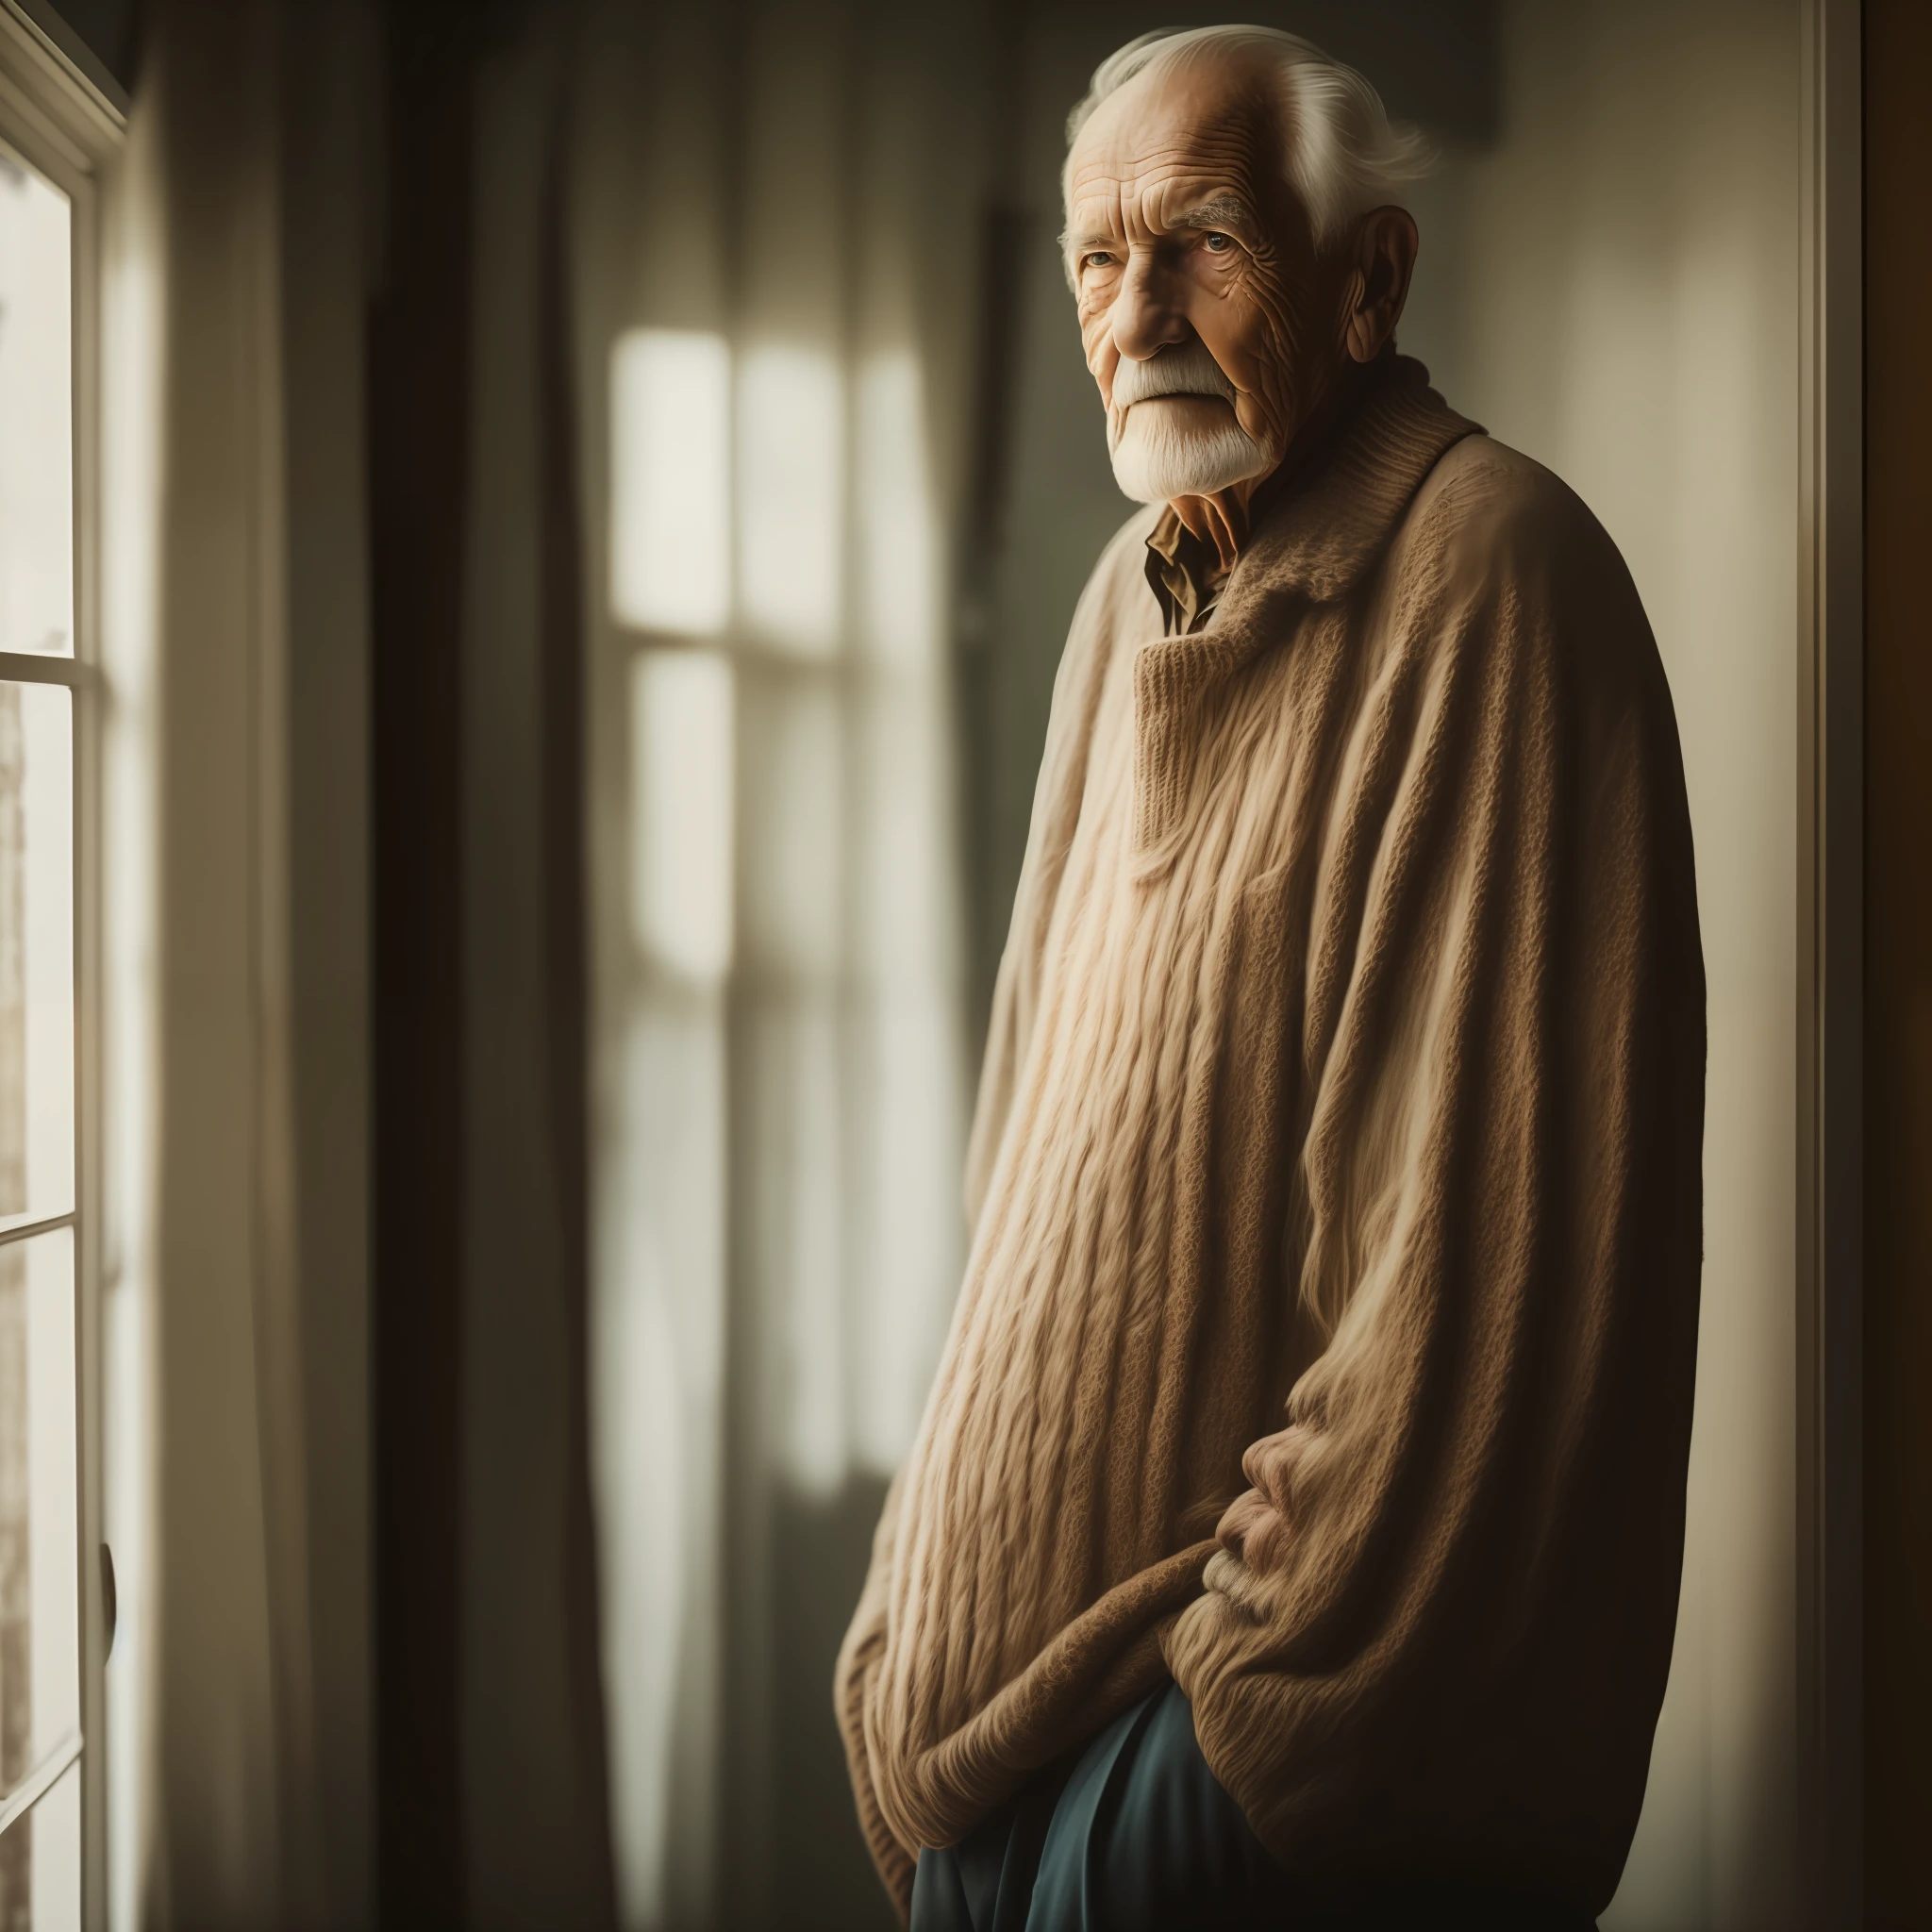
column 36, row 950
column 40, row 1863
column 36, row 415
column 40, row 1603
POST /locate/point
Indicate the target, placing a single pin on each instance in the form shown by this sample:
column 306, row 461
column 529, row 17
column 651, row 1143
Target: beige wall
column 1612, row 289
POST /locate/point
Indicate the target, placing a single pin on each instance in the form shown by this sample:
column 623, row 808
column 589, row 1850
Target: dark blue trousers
column 1138, row 1835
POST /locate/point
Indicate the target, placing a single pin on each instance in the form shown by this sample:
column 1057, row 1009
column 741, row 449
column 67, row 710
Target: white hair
column 1345, row 154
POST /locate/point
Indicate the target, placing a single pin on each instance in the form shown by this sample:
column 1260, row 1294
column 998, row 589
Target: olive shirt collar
column 1184, row 573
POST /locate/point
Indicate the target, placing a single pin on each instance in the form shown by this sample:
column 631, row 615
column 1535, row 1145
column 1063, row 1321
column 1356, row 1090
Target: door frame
column 1830, row 1004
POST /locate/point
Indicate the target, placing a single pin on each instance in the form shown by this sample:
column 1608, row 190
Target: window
column 54, row 1576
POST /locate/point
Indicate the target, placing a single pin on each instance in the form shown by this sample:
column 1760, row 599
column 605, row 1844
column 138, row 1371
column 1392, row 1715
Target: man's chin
column 1157, row 459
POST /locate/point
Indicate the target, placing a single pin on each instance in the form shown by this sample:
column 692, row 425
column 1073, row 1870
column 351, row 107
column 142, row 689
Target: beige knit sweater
column 1338, row 1158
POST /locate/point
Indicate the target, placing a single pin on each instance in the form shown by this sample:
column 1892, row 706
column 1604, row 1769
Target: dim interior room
column 570, row 509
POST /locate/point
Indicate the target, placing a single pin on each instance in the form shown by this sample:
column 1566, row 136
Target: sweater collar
column 1323, row 535
column 1314, row 543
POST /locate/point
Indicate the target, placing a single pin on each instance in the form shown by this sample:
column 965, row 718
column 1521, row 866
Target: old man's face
column 1210, row 324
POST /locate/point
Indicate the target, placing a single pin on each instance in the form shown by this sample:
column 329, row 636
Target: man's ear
column 1386, row 243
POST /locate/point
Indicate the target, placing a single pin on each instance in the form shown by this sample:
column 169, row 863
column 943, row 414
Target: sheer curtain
column 776, row 248
column 769, row 294
column 235, row 1078
column 233, row 1083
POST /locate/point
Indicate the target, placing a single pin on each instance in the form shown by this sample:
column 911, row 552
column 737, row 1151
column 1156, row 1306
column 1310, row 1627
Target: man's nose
column 1147, row 318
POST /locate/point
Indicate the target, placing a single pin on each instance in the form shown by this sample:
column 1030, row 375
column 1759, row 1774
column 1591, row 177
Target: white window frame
column 64, row 115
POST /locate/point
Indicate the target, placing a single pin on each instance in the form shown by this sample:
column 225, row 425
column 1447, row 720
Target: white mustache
column 1185, row 369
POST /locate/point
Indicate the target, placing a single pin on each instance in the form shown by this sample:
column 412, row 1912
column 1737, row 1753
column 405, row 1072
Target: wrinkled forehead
column 1175, row 136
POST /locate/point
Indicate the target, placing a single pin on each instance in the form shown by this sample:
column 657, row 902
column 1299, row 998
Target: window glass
column 39, row 1609
column 40, row 1862
column 36, row 415
column 40, row 1502
column 36, row 952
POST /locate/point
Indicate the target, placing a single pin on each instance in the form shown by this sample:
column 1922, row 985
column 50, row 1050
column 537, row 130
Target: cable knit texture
column 1335, row 1179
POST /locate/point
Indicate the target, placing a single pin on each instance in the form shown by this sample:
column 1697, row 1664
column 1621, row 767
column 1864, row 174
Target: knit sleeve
column 1441, row 1618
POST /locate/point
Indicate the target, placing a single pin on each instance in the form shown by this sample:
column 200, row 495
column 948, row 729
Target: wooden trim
column 418, row 455
column 1831, row 1015
column 1898, row 967
column 43, row 62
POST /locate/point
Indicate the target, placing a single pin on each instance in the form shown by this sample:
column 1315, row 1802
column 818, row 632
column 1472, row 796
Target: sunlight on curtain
column 671, row 507
column 777, row 366
column 659, row 1313
column 792, row 512
column 780, row 1185
column 681, row 735
column 657, row 1365
column 788, row 1067
column 907, row 935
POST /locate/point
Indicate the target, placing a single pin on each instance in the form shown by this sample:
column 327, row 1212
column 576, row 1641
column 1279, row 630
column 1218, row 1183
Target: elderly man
column 1294, row 1530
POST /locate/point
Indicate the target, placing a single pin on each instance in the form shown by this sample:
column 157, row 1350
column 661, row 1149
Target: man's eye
column 1099, row 257
column 1216, row 242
